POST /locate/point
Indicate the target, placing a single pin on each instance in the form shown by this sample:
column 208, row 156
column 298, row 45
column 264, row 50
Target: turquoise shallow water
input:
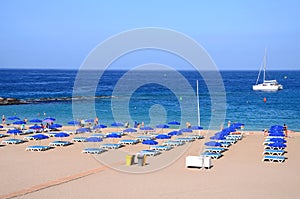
column 153, row 103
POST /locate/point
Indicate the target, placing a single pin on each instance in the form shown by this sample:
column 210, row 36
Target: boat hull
column 268, row 88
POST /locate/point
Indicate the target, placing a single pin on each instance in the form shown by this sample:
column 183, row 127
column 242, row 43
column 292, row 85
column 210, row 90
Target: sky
column 60, row 34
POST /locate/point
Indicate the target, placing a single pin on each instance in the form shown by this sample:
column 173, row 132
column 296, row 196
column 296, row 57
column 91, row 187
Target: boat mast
column 265, row 63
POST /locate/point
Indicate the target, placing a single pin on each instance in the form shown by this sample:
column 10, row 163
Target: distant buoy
column 180, row 98
column 285, row 77
column 265, row 100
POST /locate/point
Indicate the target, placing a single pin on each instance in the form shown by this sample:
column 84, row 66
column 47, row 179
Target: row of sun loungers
column 37, row 148
column 274, row 149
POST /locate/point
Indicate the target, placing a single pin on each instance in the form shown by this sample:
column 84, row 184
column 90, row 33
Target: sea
column 152, row 97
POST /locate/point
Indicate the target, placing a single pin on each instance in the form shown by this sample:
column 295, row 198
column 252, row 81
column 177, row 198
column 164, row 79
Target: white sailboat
column 267, row 85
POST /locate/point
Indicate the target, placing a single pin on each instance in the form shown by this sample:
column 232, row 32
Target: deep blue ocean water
column 152, row 103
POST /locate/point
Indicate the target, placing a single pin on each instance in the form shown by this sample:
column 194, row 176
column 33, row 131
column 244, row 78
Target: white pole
column 198, row 106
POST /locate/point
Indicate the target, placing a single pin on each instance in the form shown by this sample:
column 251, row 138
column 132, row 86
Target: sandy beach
column 64, row 172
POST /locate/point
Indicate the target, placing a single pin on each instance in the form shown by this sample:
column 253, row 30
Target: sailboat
column 267, row 85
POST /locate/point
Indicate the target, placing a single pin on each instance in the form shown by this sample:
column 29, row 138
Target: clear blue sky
column 60, row 34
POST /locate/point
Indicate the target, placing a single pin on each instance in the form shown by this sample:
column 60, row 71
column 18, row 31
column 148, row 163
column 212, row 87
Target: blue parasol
column 19, row 122
column 50, row 118
column 40, row 137
column 55, row 126
column 212, row 143
column 35, row 121
column 61, row 134
column 277, row 144
column 163, row 136
column 150, row 142
column 113, row 135
column 89, row 120
column 175, row 133
column 14, row 131
column 35, row 127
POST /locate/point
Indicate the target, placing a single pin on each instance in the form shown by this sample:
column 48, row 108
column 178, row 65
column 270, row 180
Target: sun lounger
column 128, row 142
column 51, row 134
column 98, row 135
column 160, row 148
column 2, row 135
column 149, row 152
column 29, row 137
column 225, row 144
column 274, row 152
column 214, row 149
column 211, row 155
column 59, row 143
column 185, row 139
column 274, row 148
column 110, row 146
column 37, row 148
column 12, row 141
column 173, row 143
column 143, row 138
column 79, row 139
column 274, row 158
column 269, row 137
column 28, row 131
column 93, row 150
column 234, row 136
column 195, row 137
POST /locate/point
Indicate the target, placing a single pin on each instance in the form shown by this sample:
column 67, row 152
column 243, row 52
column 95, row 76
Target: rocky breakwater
column 10, row 101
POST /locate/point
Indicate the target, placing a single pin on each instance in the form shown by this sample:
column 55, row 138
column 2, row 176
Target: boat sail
column 267, row 85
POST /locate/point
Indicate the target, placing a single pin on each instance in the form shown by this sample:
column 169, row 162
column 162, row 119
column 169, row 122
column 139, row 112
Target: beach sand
column 64, row 172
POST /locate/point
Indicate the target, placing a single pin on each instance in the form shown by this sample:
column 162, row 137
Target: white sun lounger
column 110, row 146
column 173, row 143
column 211, row 155
column 234, row 136
column 2, row 135
column 274, row 158
column 93, row 150
column 274, row 148
column 37, row 148
column 12, row 141
column 128, row 142
column 149, row 152
column 98, row 135
column 59, row 143
column 29, row 137
column 143, row 138
column 274, row 152
column 195, row 137
column 160, row 148
column 185, row 139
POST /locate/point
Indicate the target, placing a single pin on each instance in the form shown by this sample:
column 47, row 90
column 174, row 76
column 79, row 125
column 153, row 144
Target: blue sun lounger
column 274, row 158
column 274, row 152
column 128, row 142
column 79, row 139
column 93, row 150
column 160, row 148
column 29, row 137
column 225, row 144
column 234, row 136
column 149, row 152
column 12, row 141
column 211, row 155
column 59, row 143
column 2, row 135
column 110, row 146
column 37, row 148
column 214, row 149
